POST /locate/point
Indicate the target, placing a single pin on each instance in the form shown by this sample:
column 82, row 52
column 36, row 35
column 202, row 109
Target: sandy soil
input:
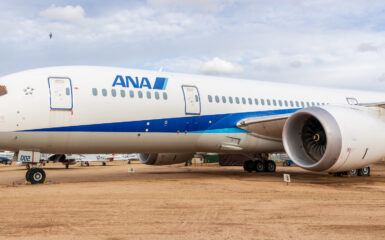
column 177, row 202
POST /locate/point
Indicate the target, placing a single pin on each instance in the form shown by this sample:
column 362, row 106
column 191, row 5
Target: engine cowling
column 335, row 138
column 164, row 158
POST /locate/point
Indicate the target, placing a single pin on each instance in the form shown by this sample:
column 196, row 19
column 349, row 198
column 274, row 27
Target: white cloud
column 74, row 14
column 220, row 66
column 203, row 5
column 367, row 47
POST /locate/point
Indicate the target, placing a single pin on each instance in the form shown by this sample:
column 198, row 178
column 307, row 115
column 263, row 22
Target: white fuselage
column 63, row 110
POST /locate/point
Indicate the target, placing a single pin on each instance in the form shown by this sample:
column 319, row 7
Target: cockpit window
column 3, row 90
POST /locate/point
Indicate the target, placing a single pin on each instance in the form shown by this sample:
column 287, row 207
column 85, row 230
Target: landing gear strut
column 35, row 175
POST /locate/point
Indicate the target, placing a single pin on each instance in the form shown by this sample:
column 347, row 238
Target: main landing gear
column 259, row 165
column 362, row 172
column 35, row 175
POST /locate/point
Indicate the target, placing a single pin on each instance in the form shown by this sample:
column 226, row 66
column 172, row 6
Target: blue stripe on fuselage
column 220, row 123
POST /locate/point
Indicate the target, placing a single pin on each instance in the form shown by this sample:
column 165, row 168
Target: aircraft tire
column 353, row 172
column 67, row 166
column 249, row 165
column 270, row 166
column 36, row 176
column 259, row 166
column 364, row 172
column 104, row 164
column 27, row 174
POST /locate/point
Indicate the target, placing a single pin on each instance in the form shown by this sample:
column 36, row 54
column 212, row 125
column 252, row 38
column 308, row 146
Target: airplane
column 168, row 117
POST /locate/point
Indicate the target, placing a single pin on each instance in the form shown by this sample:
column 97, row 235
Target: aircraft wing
column 268, row 127
column 377, row 104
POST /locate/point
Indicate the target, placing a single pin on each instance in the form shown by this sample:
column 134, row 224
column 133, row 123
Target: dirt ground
column 177, row 202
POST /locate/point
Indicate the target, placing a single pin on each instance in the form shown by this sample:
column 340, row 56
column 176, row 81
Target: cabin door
column 60, row 90
column 352, row 101
column 192, row 100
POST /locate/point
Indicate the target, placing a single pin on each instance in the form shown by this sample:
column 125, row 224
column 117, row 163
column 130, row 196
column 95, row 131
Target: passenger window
column 286, row 103
column 156, row 95
column 237, row 100
column 302, row 104
column 256, row 101
column 123, row 93
column 104, row 92
column 217, row 99
column 148, row 95
column 308, row 104
column 132, row 95
column 263, row 102
column 312, row 103
column 165, row 97
column 3, row 90
column 244, row 100
column 250, row 101
column 68, row 92
column 95, row 92
column 268, row 102
column 196, row 98
column 297, row 103
column 280, row 103
column 223, row 99
column 140, row 94
column 291, row 104
column 230, row 100
column 113, row 92
column 210, row 98
column 274, row 102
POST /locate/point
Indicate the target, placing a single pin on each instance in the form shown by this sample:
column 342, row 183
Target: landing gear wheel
column 36, row 175
column 270, row 166
column 353, row 172
column 27, row 174
column 104, row 164
column 364, row 172
column 87, row 164
column 67, row 166
column 248, row 165
column 259, row 166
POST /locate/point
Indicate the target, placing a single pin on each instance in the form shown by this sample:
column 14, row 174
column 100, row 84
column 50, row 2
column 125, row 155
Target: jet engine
column 164, row 158
column 335, row 138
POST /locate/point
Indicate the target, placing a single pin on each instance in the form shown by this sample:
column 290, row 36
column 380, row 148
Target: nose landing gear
column 35, row 176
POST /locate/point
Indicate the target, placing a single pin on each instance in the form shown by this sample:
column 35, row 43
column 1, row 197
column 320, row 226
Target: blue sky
column 325, row 43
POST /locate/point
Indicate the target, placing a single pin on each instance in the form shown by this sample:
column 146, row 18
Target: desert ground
column 178, row 202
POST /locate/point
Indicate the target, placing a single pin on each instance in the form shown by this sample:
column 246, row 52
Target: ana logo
column 137, row 82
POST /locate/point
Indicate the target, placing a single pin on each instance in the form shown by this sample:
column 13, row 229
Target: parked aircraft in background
column 6, row 157
column 168, row 117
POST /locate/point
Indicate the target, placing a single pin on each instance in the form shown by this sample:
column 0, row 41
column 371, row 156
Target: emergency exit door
column 60, row 90
column 192, row 100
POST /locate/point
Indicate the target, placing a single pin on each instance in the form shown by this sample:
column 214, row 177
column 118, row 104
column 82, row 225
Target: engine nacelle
column 335, row 138
column 164, row 158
